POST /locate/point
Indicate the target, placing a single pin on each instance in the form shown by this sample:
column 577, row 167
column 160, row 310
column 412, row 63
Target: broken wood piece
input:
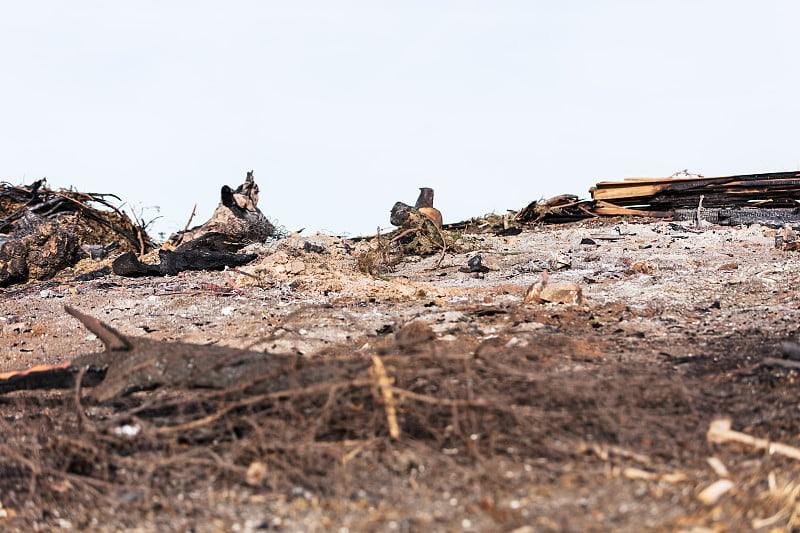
column 699, row 218
column 433, row 214
column 731, row 200
column 719, row 431
column 425, row 198
column 607, row 236
column 645, row 475
column 191, row 217
column 112, row 339
column 59, row 376
column 605, row 451
column 130, row 364
column 718, row 466
column 179, row 260
column 712, row 493
column 609, row 209
column 564, row 207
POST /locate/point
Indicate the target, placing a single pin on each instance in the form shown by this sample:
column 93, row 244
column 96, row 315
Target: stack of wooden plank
column 659, row 197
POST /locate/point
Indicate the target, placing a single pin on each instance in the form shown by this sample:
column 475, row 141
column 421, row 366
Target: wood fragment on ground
column 131, row 364
column 712, row 493
column 236, row 222
column 384, row 386
column 719, row 432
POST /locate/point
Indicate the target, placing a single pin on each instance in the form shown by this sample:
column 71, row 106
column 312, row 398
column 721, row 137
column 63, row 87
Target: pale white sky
column 344, row 107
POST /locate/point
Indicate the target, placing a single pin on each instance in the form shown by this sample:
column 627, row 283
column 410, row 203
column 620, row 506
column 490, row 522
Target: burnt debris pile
column 327, row 422
column 769, row 198
column 732, row 200
column 43, row 231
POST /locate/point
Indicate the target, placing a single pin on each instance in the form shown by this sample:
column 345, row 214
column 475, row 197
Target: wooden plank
column 628, row 181
column 640, row 194
column 630, row 191
column 622, row 190
column 625, row 211
column 655, row 196
column 632, row 182
column 607, row 208
column 743, row 177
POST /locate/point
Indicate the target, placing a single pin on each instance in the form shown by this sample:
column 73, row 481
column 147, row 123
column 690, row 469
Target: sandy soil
column 512, row 416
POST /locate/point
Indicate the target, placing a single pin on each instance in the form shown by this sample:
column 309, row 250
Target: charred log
column 172, row 262
column 236, row 222
column 400, row 214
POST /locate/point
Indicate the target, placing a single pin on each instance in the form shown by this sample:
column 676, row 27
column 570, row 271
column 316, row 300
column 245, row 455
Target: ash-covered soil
column 510, row 416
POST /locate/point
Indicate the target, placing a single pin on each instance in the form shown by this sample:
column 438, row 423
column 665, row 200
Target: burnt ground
column 511, row 416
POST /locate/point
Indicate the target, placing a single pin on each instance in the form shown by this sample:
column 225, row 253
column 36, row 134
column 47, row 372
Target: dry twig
column 384, row 384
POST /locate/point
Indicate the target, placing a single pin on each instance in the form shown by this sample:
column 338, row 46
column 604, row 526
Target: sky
column 343, row 107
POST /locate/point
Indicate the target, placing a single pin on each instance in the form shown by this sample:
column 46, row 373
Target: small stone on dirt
column 413, row 335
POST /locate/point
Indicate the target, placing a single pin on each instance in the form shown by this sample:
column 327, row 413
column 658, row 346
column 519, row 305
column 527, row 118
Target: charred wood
column 236, row 222
column 172, row 262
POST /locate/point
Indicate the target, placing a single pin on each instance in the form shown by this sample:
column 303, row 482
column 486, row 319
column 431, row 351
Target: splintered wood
column 659, row 197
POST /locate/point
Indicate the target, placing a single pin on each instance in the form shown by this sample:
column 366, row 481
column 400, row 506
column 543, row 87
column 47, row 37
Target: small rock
column 790, row 350
column 644, row 267
column 127, row 430
column 402, row 461
column 475, row 265
column 563, row 293
column 543, row 291
column 256, row 473
column 413, row 335
column 509, row 232
column 280, row 257
column 560, row 262
column 99, row 251
column 311, row 247
column 385, row 329
column 786, row 239
column 48, row 293
column 296, row 267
